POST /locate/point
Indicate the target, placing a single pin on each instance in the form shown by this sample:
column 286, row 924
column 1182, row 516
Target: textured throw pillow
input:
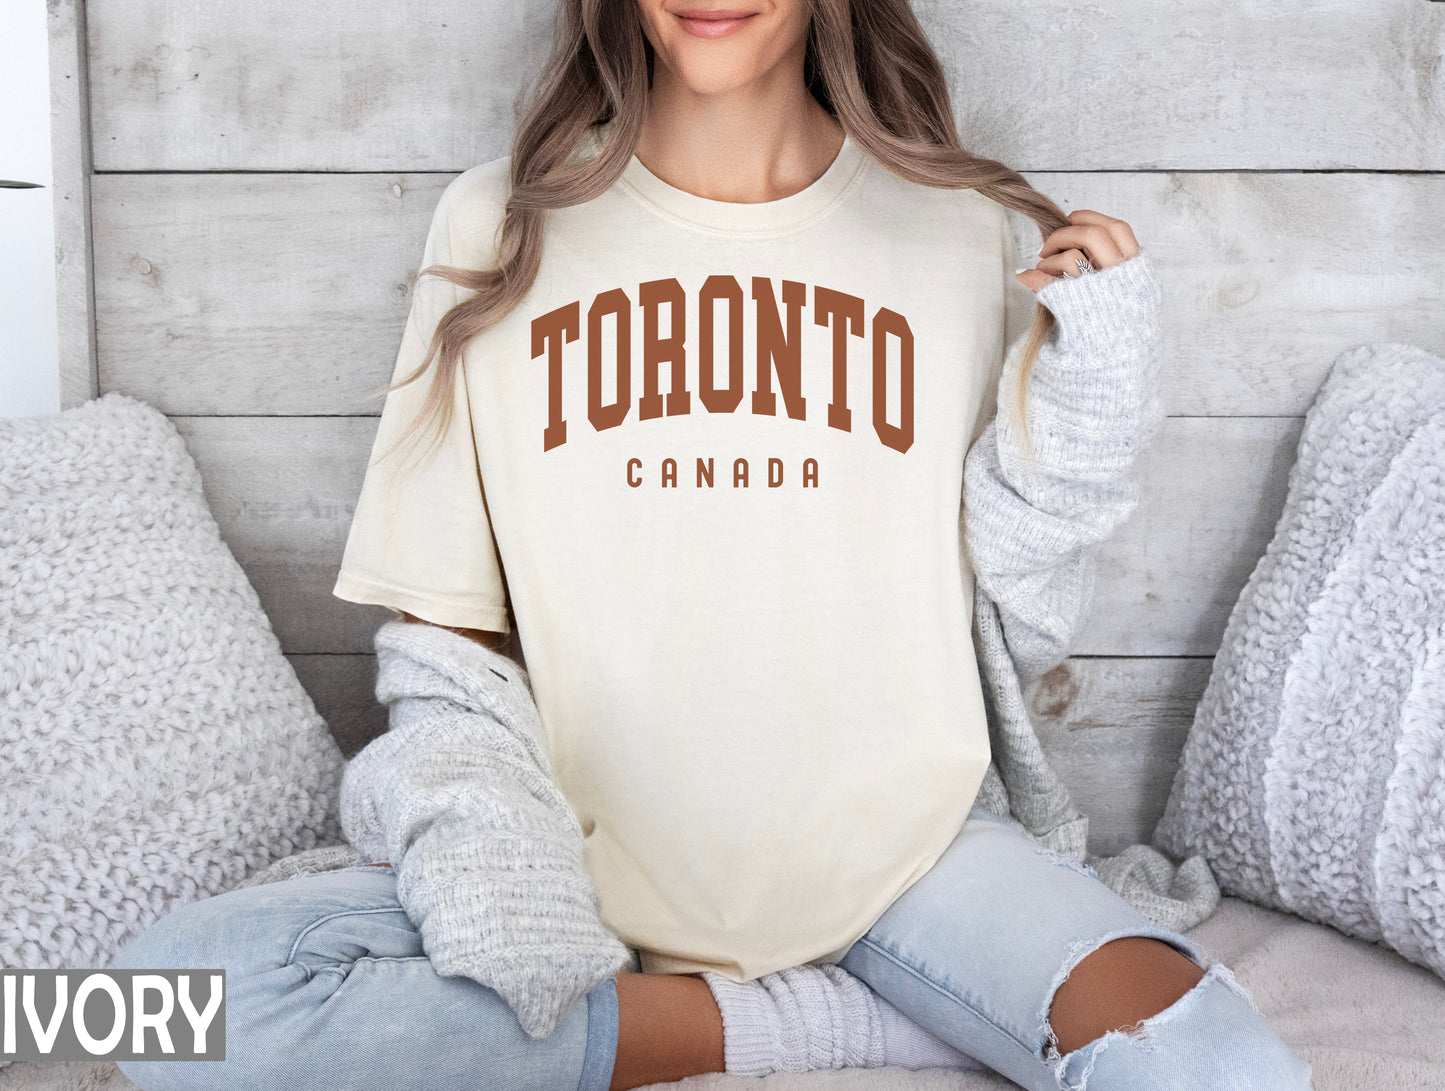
column 1313, row 778
column 155, row 745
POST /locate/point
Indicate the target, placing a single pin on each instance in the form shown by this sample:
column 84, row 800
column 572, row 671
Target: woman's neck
column 749, row 146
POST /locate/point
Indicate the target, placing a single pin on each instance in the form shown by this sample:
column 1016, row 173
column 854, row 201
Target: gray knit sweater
column 1031, row 527
column 458, row 793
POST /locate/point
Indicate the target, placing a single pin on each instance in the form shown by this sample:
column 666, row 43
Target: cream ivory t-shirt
column 713, row 462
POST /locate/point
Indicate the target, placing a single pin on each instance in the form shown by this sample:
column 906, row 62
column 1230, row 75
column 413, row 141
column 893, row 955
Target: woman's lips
column 703, row 23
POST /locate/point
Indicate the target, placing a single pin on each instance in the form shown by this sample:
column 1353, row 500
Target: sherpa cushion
column 1313, row 778
column 155, row 744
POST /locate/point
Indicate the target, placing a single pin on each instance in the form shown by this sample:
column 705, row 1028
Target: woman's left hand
column 1102, row 240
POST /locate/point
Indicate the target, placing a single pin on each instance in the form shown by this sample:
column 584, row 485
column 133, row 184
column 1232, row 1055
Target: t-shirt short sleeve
column 420, row 539
column 1018, row 316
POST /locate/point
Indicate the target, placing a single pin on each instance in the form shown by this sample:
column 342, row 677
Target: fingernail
column 1022, row 269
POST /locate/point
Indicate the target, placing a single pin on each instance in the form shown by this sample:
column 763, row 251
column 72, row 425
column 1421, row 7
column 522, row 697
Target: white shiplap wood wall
column 263, row 175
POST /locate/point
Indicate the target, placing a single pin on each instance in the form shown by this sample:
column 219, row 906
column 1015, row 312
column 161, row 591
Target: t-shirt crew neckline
column 740, row 218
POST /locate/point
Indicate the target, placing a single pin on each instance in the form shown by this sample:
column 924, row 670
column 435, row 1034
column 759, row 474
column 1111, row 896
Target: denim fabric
column 327, row 985
column 975, row 949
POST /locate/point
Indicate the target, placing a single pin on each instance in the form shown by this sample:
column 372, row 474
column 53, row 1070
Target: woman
column 732, row 315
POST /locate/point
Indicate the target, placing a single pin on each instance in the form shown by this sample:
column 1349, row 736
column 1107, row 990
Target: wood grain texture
column 1267, row 277
column 256, row 293
column 286, row 294
column 71, row 174
column 1114, row 729
column 1068, row 85
column 330, row 85
column 283, row 491
column 1213, row 489
column 343, row 688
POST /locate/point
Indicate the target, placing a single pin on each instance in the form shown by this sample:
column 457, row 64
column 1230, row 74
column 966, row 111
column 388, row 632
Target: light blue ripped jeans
column 976, row 948
column 327, row 986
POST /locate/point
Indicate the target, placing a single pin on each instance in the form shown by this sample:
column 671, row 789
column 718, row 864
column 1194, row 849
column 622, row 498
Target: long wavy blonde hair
column 868, row 63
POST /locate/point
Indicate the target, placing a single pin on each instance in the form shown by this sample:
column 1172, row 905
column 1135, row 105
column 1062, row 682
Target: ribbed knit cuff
column 862, row 1046
column 751, row 1038
column 1098, row 309
column 541, row 946
column 1092, row 398
column 798, row 1019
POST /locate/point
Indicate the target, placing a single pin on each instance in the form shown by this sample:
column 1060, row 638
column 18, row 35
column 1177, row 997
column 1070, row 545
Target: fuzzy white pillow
column 155, row 745
column 1313, row 778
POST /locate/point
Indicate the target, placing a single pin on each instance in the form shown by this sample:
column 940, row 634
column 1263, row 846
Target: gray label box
column 124, row 1015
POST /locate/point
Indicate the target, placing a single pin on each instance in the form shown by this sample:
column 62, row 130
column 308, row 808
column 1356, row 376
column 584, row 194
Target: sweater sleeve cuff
column 1099, row 309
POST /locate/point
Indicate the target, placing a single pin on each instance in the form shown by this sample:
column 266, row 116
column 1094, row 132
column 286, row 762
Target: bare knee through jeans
column 977, row 949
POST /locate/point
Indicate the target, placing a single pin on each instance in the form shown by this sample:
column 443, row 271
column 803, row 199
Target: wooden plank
column 343, row 688
column 1195, row 85
column 256, row 293
column 1114, row 730
column 283, row 490
column 330, row 85
column 70, row 169
column 372, row 85
column 267, row 293
column 1213, row 490
column 1267, row 278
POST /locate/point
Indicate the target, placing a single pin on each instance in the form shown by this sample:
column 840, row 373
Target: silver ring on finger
column 1085, row 266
